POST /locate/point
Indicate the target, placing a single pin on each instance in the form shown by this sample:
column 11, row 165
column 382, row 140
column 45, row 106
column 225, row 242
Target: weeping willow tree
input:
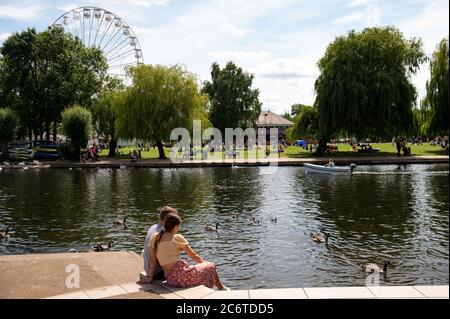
column 435, row 104
column 306, row 124
column 159, row 100
column 364, row 87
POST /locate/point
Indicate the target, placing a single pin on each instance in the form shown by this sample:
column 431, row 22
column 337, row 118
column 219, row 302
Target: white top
column 152, row 230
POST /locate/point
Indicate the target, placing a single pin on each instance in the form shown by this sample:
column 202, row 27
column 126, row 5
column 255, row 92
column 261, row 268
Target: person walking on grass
column 399, row 146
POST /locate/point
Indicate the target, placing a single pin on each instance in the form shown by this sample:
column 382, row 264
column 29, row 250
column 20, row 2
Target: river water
column 398, row 213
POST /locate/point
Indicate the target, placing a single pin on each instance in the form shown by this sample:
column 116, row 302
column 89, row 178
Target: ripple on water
column 395, row 213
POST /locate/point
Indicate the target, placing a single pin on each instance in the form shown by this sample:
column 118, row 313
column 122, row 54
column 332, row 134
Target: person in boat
column 158, row 272
column 330, row 163
column 165, row 248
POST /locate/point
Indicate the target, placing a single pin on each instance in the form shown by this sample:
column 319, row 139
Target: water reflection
column 396, row 213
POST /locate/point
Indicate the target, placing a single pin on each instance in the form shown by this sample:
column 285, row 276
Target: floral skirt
column 183, row 275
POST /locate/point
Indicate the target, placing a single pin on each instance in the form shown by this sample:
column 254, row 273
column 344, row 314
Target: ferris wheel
column 102, row 29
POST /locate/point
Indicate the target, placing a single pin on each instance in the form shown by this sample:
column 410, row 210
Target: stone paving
column 133, row 290
column 114, row 274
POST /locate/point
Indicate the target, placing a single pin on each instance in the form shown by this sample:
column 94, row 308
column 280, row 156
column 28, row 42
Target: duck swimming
column 212, row 228
column 120, row 221
column 319, row 238
column 102, row 247
column 374, row 268
column 5, row 234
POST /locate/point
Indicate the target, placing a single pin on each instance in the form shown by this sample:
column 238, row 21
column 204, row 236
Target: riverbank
column 152, row 163
column 110, row 275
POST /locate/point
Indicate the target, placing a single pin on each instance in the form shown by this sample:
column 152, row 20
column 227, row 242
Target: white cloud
column 143, row 31
column 137, row 3
column 431, row 25
column 286, row 69
column 4, row 36
column 242, row 57
column 234, row 30
column 281, row 51
column 69, row 7
column 356, row 3
column 15, row 13
column 370, row 17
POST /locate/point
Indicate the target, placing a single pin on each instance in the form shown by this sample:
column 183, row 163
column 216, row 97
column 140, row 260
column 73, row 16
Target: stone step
column 164, row 291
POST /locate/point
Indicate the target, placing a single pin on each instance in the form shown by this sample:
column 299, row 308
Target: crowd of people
column 162, row 248
column 440, row 140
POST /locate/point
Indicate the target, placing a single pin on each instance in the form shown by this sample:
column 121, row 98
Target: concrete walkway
column 114, row 274
column 44, row 275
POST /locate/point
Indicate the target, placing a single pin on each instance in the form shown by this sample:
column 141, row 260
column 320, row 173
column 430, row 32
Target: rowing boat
column 320, row 169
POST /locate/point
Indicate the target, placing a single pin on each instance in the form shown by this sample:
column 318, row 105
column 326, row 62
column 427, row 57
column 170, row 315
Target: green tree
column 297, row 108
column 233, row 101
column 287, row 116
column 160, row 99
column 364, row 87
column 46, row 72
column 436, row 104
column 77, row 125
column 18, row 78
column 306, row 124
column 104, row 114
column 8, row 126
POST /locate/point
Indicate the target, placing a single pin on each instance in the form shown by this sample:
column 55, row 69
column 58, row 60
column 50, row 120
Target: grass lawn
column 386, row 149
column 344, row 150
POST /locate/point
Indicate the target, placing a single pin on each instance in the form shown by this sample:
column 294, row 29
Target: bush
column 77, row 125
column 8, row 125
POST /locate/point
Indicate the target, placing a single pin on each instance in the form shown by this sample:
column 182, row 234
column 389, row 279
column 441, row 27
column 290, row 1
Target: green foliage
column 287, row 116
column 104, row 112
column 8, row 125
column 306, row 124
column 233, row 101
column 436, row 103
column 77, row 125
column 297, row 108
column 364, row 88
column 45, row 72
column 160, row 99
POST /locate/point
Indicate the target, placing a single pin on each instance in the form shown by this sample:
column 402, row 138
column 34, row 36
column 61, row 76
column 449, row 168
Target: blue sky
column 280, row 41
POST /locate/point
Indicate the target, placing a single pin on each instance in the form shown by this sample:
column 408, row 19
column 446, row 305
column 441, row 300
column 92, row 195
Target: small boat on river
column 321, row 169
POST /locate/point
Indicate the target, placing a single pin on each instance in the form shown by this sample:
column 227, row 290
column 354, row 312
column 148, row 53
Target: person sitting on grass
column 134, row 156
column 165, row 248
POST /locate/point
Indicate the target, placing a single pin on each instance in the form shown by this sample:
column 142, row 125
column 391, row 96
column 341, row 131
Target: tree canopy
column 436, row 102
column 77, row 125
column 364, row 87
column 104, row 113
column 233, row 102
column 8, row 126
column 306, row 124
column 45, row 72
column 159, row 100
column 297, row 108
